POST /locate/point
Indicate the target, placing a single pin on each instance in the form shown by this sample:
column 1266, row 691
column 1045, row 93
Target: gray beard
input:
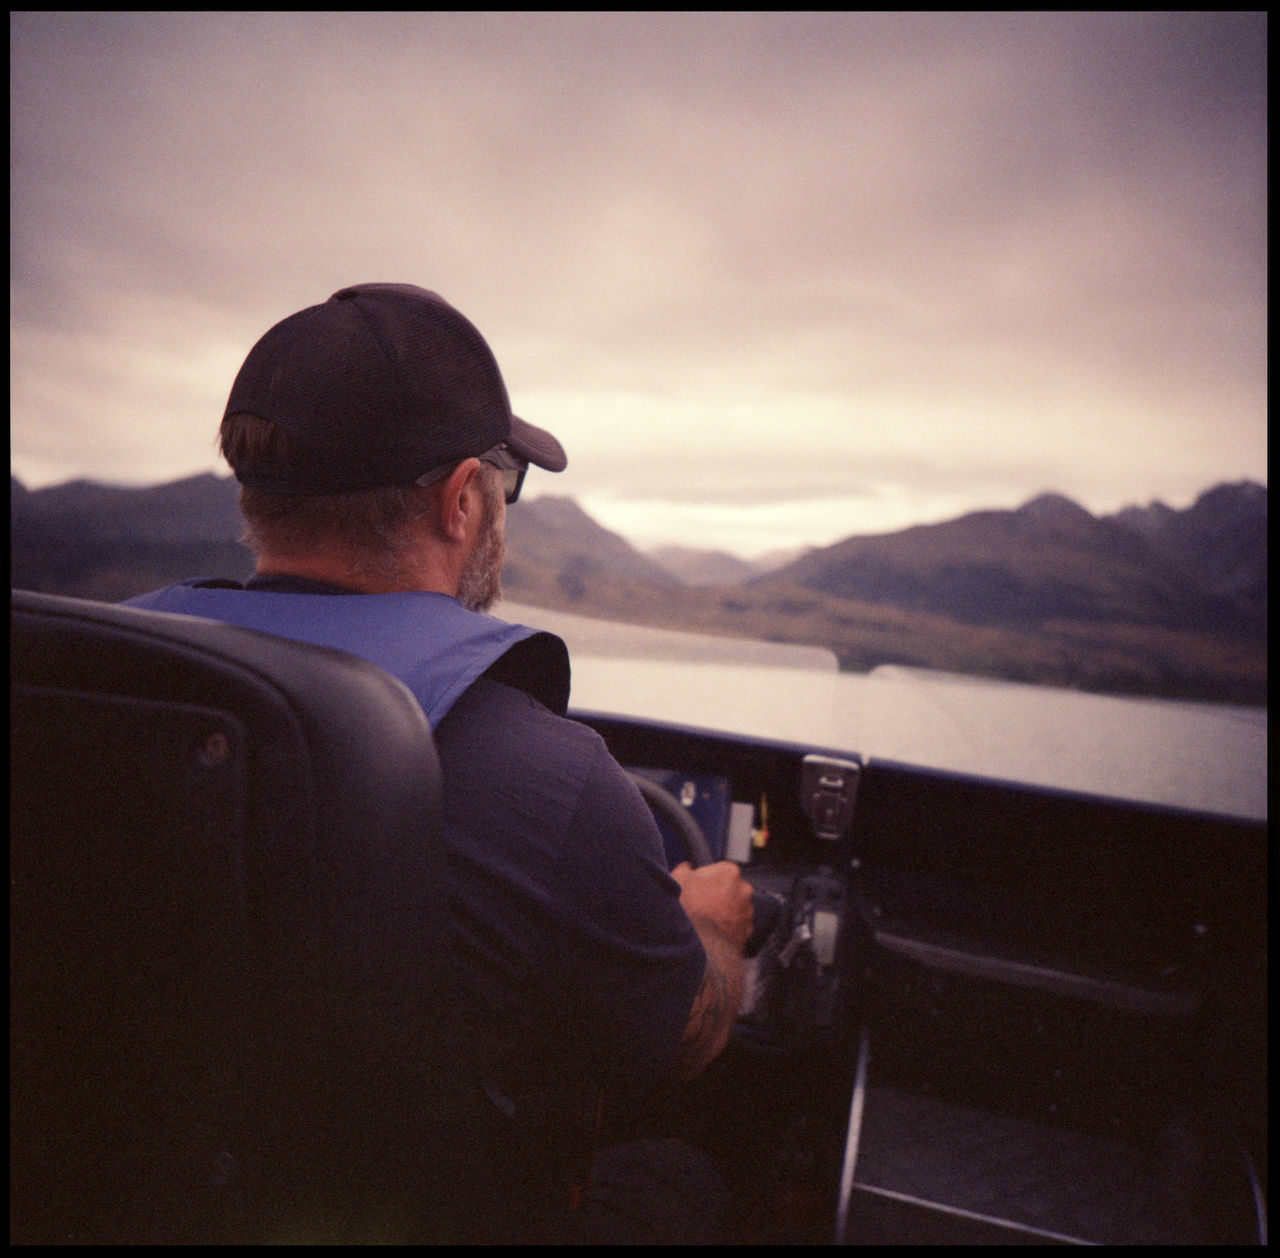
column 480, row 584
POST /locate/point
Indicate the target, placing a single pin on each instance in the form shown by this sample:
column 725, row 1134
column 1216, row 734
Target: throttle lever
column 802, row 934
column 766, row 910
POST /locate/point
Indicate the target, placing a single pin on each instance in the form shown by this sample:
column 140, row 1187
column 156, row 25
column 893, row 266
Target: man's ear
column 459, row 500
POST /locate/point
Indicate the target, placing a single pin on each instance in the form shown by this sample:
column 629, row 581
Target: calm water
column 1195, row 755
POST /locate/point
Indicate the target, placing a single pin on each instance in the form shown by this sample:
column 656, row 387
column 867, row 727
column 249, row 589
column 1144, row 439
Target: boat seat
column 230, row 1011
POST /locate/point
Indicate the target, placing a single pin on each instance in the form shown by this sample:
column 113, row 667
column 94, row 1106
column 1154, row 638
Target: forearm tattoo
column 714, row 1003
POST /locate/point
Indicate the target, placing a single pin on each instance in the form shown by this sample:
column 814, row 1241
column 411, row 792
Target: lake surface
column 1205, row 756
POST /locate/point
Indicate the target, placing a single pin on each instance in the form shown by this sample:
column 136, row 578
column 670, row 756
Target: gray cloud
column 940, row 251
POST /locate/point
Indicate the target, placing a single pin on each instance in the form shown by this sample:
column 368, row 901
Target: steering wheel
column 662, row 803
column 766, row 907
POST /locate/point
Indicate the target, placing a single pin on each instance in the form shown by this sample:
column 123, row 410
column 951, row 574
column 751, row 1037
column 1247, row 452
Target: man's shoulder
column 500, row 734
column 493, row 707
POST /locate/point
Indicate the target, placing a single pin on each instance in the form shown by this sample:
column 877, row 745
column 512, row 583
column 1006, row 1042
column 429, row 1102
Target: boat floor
column 947, row 1173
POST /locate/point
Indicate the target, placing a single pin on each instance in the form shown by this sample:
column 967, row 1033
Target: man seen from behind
column 377, row 454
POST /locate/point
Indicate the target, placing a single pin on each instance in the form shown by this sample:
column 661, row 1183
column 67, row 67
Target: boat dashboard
column 996, row 1013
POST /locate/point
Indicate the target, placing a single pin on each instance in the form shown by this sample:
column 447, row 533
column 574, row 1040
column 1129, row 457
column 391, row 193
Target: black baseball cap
column 377, row 386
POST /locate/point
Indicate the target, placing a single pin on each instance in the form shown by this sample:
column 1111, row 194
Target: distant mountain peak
column 559, row 505
column 693, row 566
column 1054, row 509
column 1150, row 521
column 1243, row 499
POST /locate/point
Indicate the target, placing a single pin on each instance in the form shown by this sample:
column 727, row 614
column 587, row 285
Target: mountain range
column 1149, row 600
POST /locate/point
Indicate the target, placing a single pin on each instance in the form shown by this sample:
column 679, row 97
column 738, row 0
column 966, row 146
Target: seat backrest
column 230, row 1012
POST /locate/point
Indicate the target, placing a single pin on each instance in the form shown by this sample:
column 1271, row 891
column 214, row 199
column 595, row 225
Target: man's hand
column 717, row 894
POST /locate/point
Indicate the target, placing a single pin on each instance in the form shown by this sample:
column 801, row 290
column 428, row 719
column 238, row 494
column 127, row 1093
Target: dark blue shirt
column 571, row 943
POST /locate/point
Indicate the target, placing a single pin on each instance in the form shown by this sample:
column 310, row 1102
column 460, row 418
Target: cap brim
column 537, row 446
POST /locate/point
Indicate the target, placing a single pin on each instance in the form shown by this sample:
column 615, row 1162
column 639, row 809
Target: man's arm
column 718, row 901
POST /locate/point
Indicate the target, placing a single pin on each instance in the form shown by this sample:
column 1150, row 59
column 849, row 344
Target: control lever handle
column 766, row 909
column 800, row 936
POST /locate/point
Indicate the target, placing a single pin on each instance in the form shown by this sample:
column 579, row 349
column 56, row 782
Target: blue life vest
column 430, row 641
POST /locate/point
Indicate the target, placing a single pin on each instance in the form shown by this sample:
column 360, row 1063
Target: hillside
column 99, row 541
column 1150, row 601
column 1049, row 593
column 555, row 549
column 1049, row 560
column 1223, row 535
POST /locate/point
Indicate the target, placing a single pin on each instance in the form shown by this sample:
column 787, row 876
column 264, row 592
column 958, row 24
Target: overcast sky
column 773, row 279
